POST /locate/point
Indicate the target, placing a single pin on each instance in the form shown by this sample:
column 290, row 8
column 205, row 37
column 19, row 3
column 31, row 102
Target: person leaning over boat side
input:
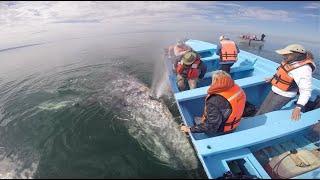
column 190, row 68
column 228, row 51
column 178, row 50
column 292, row 76
column 224, row 106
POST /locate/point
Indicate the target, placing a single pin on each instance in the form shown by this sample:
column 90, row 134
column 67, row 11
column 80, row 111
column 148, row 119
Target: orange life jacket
column 192, row 71
column 237, row 99
column 282, row 80
column 229, row 52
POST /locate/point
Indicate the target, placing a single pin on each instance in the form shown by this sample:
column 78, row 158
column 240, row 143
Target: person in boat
column 292, row 76
column 178, row 50
column 254, row 37
column 228, row 52
column 190, row 68
column 224, row 106
column 262, row 37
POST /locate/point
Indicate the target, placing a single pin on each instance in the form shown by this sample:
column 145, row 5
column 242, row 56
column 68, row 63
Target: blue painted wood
column 202, row 92
column 277, row 141
column 276, row 121
column 304, row 143
column 201, row 46
column 253, row 133
column 236, row 68
column 315, row 174
column 218, row 164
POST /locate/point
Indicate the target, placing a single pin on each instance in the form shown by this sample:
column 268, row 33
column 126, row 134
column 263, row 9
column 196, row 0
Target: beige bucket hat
column 188, row 58
column 291, row 48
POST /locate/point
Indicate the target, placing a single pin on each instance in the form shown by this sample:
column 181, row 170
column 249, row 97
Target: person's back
column 175, row 52
column 218, row 109
column 178, row 49
column 224, row 106
column 228, row 52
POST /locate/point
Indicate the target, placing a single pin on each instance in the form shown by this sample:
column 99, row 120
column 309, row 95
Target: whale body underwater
column 147, row 119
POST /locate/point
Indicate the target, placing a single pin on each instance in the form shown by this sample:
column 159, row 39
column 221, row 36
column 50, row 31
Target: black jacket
column 218, row 111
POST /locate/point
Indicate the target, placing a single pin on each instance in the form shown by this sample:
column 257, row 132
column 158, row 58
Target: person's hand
column 296, row 114
column 185, row 129
column 267, row 79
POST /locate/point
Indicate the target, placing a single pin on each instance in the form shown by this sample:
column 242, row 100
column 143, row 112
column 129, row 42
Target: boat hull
column 218, row 154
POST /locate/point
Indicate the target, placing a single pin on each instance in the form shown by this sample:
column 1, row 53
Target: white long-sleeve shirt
column 303, row 77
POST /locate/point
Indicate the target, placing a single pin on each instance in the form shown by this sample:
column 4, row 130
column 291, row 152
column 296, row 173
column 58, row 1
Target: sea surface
column 44, row 134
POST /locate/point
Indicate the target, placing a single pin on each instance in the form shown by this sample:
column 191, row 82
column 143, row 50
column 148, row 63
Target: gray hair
column 218, row 73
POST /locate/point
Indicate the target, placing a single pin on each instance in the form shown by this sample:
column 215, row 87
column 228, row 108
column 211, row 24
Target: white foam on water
column 13, row 168
column 1, row 116
column 55, row 105
column 5, row 122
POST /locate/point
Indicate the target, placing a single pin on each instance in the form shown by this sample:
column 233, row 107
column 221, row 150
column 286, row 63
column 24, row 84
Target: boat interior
column 260, row 143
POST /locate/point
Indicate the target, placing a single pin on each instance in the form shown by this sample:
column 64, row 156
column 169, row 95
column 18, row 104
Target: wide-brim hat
column 291, row 49
column 188, row 58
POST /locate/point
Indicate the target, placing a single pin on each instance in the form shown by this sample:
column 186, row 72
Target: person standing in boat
column 224, row 106
column 262, row 37
column 228, row 52
column 254, row 37
column 190, row 69
column 292, row 76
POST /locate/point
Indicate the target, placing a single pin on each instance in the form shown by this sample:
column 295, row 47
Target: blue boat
column 259, row 140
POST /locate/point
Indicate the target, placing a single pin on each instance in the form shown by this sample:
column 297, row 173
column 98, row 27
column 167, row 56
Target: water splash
column 163, row 86
column 160, row 82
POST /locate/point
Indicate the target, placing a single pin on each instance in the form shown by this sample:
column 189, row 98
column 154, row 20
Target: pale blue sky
column 298, row 20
